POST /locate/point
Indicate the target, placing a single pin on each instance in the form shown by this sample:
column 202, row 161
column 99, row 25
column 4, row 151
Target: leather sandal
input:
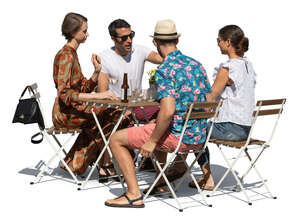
column 104, row 178
column 202, row 184
column 130, row 203
column 157, row 190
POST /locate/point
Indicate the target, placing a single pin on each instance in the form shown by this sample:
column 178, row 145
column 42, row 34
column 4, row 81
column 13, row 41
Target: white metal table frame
column 115, row 104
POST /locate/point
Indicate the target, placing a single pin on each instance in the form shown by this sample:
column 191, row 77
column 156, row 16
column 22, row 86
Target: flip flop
column 130, row 203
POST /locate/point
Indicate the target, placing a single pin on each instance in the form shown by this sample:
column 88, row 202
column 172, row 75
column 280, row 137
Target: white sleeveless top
column 238, row 99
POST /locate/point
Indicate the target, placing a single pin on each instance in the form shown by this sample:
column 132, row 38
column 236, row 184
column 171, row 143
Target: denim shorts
column 225, row 131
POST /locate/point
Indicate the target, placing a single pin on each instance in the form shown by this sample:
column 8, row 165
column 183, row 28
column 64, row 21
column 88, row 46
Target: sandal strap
column 105, row 168
column 110, row 166
column 132, row 201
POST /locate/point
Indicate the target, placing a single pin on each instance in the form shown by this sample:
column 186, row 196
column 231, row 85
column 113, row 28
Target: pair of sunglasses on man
column 125, row 37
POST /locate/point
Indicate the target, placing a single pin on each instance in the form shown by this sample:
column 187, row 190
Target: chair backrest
column 37, row 96
column 263, row 103
column 262, row 109
column 200, row 110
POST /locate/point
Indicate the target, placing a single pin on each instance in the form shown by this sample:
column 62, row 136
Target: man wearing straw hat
column 179, row 81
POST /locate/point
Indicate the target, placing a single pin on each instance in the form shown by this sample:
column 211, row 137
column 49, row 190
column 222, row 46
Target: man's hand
column 148, row 148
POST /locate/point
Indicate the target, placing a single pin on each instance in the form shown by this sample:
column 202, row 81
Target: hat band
column 158, row 34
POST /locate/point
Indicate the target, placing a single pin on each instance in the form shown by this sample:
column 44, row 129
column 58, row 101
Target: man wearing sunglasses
column 125, row 57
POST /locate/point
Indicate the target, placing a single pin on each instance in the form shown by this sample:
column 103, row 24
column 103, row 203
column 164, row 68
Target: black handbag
column 28, row 112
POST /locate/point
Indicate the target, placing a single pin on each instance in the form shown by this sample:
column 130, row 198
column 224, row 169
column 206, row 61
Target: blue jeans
column 224, row 131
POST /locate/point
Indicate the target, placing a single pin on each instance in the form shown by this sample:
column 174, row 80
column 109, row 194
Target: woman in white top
column 234, row 84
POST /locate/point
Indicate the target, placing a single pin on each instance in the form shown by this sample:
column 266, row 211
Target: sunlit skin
column 122, row 47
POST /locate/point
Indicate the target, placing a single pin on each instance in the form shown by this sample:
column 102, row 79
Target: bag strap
column 37, row 141
column 29, row 89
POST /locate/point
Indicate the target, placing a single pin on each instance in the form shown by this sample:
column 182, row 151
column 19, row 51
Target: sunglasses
column 125, row 37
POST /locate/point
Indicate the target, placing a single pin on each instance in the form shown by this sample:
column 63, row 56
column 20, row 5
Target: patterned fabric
column 184, row 79
column 69, row 112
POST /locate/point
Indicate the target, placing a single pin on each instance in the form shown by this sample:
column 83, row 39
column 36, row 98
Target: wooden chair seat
column 236, row 144
column 54, row 130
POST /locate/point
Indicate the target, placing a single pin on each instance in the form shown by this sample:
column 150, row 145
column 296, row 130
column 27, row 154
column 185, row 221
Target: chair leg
column 230, row 169
column 57, row 154
column 252, row 166
column 189, row 172
column 162, row 174
column 106, row 148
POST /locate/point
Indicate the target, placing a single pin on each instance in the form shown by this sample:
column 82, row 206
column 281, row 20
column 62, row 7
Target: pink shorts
column 137, row 136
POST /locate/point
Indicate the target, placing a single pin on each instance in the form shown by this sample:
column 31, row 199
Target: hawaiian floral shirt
column 186, row 80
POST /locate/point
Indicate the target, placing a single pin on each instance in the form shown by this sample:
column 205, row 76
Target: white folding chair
column 249, row 144
column 195, row 111
column 51, row 133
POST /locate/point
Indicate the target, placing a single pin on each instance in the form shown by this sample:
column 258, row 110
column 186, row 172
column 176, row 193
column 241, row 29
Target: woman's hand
column 96, row 60
column 105, row 95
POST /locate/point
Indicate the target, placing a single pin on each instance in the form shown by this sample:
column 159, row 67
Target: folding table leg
column 106, row 147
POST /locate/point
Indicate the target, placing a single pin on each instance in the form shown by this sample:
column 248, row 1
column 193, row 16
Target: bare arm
column 219, row 84
column 103, row 82
column 167, row 109
column 99, row 95
column 154, row 57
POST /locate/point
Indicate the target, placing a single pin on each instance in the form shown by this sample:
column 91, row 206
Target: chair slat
column 199, row 115
column 34, row 86
column 36, row 95
column 270, row 102
column 266, row 112
column 206, row 105
column 237, row 144
column 54, row 130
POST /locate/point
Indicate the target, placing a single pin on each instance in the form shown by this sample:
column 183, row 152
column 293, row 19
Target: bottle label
column 123, row 94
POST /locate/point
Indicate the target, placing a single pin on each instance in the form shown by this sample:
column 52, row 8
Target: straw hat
column 165, row 29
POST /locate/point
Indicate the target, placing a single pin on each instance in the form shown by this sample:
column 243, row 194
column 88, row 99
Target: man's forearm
column 164, row 118
column 102, row 82
column 162, row 124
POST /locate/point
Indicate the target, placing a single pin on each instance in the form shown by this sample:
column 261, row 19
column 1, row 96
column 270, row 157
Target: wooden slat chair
column 57, row 146
column 196, row 111
column 250, row 144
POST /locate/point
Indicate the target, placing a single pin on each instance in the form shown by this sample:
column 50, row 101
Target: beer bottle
column 124, row 89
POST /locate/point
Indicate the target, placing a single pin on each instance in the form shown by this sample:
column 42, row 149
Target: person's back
column 238, row 98
column 184, row 79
